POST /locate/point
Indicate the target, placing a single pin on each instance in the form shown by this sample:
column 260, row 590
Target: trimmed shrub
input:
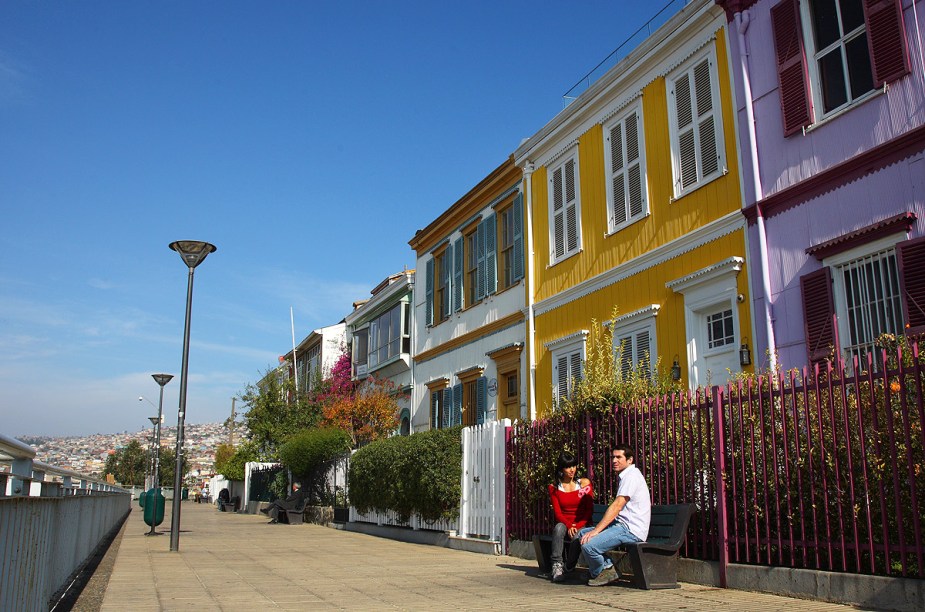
column 310, row 449
column 417, row 474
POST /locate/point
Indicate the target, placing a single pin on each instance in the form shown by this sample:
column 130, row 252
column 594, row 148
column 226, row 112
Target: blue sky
column 308, row 141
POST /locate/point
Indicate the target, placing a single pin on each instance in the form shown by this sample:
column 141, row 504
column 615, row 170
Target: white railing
column 49, row 528
column 391, row 519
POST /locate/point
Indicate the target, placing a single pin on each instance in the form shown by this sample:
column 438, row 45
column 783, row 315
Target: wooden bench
column 654, row 563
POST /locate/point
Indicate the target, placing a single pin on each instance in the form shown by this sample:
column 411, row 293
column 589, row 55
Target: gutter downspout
column 742, row 20
column 531, row 321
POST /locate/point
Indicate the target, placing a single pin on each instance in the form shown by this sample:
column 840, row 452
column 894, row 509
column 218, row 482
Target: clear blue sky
column 308, row 141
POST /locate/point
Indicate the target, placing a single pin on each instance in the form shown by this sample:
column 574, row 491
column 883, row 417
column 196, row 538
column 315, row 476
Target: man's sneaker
column 607, row 575
column 558, row 573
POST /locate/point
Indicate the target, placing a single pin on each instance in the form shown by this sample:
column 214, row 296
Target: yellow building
column 633, row 202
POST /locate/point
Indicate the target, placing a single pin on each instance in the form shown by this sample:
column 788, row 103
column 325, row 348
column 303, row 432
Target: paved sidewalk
column 238, row 562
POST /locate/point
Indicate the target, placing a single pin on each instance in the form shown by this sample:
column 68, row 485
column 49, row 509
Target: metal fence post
column 719, row 444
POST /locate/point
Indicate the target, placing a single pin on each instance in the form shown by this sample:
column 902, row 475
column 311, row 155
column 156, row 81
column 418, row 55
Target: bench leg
column 654, row 569
column 543, row 549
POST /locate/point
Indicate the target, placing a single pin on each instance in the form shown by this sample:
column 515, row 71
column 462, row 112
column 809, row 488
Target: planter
column 319, row 515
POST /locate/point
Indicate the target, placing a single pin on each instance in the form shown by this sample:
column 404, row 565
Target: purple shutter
column 791, row 66
column 818, row 314
column 886, row 39
column 910, row 255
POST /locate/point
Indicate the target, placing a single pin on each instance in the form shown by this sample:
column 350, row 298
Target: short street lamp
column 161, row 380
column 193, row 253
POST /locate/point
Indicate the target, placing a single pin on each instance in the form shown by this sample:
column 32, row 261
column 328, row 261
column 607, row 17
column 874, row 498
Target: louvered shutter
column 574, row 369
column 910, row 257
column 796, row 105
column 561, row 377
column 481, row 408
column 458, row 275
column 634, row 178
column 434, row 423
column 706, row 119
column 480, row 271
column 447, row 407
column 818, row 313
column 618, row 174
column 518, row 221
column 491, row 254
column 571, row 206
column 457, row 404
column 429, row 291
column 643, row 356
column 446, row 275
column 558, row 213
column 886, row 40
column 625, row 355
column 687, row 146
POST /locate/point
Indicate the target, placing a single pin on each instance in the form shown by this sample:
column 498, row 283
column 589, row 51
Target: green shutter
column 447, row 407
column 429, row 292
column 481, row 399
column 458, row 275
column 491, row 254
column 457, row 404
column 434, row 424
column 480, row 261
column 518, row 220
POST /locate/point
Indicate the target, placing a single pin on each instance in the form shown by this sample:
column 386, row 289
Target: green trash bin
column 141, row 498
column 154, row 507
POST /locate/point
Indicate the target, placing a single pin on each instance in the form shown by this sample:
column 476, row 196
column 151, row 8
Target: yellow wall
column 634, row 293
column 667, row 219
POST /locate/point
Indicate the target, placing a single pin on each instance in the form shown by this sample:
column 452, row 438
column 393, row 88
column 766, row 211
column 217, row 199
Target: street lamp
column 193, row 253
column 161, row 380
column 151, row 461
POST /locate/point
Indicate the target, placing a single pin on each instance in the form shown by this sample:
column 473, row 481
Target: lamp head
column 193, row 252
column 162, row 379
column 153, row 420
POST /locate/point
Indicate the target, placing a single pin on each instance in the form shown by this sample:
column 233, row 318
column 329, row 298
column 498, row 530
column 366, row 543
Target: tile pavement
column 239, row 562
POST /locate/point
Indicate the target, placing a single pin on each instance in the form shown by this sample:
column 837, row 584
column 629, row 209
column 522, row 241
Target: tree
column 128, row 465
column 167, row 470
column 366, row 415
column 275, row 410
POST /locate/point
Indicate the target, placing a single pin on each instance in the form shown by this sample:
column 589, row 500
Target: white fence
column 481, row 508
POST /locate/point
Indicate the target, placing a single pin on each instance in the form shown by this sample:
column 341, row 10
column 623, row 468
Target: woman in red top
column 573, row 504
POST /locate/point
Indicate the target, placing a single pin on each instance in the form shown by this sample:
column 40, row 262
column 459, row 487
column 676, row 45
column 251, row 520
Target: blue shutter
column 491, row 254
column 457, row 404
column 429, row 292
column 447, row 407
column 458, row 275
column 518, row 214
column 433, row 410
column 446, row 275
column 480, row 261
column 481, row 400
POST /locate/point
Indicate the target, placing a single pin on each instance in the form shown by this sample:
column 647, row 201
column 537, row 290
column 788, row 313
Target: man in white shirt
column 626, row 520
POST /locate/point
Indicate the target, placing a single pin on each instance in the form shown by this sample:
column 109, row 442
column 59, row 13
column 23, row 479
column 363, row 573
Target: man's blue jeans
column 606, row 540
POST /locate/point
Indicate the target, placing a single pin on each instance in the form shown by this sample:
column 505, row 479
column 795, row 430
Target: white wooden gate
column 481, row 508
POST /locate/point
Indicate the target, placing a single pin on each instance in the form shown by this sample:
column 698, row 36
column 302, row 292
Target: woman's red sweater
column 572, row 508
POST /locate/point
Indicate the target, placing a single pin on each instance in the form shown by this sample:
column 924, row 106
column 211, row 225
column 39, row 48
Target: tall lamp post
column 193, row 253
column 151, row 460
column 161, row 380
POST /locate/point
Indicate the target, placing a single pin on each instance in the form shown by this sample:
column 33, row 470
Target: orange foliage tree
column 367, row 414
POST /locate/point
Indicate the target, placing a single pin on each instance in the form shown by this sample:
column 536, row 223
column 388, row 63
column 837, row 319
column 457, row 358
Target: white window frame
column 886, row 246
column 688, row 68
column 571, row 156
column 812, row 63
column 630, row 326
column 570, row 347
column 612, row 224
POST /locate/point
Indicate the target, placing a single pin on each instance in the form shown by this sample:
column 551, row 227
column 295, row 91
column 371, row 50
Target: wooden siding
column 634, row 293
column 667, row 220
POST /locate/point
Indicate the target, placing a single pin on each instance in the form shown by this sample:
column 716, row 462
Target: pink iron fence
column 820, row 469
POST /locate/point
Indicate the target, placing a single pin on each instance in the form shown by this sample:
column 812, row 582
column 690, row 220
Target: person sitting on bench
column 626, row 520
column 572, row 504
column 290, row 503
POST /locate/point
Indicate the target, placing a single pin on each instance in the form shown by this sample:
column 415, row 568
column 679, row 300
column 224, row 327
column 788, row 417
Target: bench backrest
column 668, row 524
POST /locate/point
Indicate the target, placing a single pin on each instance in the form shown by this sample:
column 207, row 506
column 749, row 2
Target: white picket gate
column 481, row 508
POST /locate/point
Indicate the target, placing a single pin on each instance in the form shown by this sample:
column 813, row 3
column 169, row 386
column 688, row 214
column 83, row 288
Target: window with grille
column 624, row 147
column 868, row 301
column 387, row 336
column 564, row 208
column 696, row 123
column 720, row 329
